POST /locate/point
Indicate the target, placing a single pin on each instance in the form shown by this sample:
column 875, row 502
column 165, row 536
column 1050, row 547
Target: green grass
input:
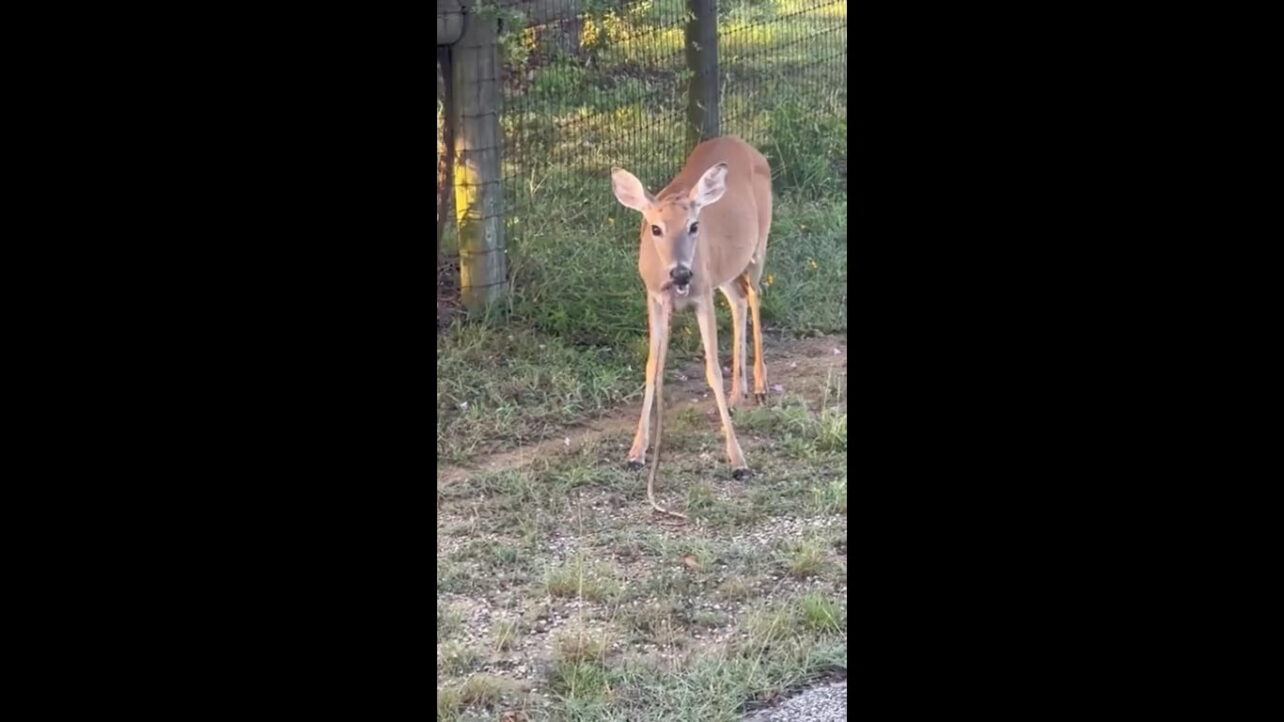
column 806, row 560
column 506, row 385
column 632, row 621
column 822, row 613
column 581, row 578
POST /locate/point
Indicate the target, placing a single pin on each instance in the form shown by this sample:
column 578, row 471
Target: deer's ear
column 629, row 191
column 710, row 187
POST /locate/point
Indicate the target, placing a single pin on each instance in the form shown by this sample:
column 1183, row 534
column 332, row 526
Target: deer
column 704, row 231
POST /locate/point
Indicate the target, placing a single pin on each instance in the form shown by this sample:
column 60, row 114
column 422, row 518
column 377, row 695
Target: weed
column 578, row 679
column 448, row 622
column 579, row 645
column 830, row 498
column 772, row 622
column 650, row 617
column 821, row 613
column 456, row 658
column 735, row 589
column 700, row 499
column 481, row 690
column 806, row 560
column 507, row 634
column 579, row 578
column 449, row 702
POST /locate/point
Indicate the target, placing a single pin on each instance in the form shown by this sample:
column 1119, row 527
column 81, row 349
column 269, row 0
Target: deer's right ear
column 629, row 191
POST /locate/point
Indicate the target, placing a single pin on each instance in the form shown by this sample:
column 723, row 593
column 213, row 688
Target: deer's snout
column 681, row 275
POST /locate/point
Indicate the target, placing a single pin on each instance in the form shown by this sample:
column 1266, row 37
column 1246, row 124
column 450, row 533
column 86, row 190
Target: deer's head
column 672, row 223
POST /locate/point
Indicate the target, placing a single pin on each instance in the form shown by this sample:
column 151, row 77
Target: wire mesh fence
column 587, row 85
column 591, row 84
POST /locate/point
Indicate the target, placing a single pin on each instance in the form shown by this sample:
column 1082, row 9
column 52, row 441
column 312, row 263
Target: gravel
column 827, row 703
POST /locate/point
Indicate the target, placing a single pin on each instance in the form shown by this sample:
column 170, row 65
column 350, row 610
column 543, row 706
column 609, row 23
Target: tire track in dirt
column 800, row 366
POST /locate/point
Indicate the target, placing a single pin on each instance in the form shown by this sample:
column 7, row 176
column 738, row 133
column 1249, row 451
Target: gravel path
column 818, row 704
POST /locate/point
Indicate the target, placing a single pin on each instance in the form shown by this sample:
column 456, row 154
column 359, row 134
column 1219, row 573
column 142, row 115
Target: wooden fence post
column 702, row 60
column 478, row 190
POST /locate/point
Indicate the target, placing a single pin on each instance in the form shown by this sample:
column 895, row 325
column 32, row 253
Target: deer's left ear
column 710, row 187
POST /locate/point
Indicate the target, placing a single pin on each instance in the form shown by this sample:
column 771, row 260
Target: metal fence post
column 478, row 191
column 702, row 60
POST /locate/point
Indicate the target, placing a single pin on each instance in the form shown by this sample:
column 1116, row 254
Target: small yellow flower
column 770, row 279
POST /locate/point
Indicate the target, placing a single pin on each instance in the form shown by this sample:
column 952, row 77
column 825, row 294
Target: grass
column 625, row 619
column 579, row 578
column 576, row 646
column 560, row 596
column 507, row 634
column 455, row 658
column 822, row 613
column 448, row 623
column 806, row 560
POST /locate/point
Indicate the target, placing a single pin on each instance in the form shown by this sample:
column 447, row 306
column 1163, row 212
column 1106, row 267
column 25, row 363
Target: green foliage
column 558, row 81
column 804, row 145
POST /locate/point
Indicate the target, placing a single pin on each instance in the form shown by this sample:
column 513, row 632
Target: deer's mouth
column 681, row 289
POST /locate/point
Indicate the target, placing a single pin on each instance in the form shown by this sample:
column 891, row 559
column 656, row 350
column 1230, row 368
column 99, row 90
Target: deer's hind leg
column 713, row 374
column 753, row 274
column 749, row 282
column 734, row 293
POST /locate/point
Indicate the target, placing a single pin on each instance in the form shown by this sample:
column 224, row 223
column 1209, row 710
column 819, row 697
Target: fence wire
column 588, row 84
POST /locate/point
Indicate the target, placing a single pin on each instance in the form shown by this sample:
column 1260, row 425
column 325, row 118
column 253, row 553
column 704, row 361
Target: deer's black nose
column 681, row 275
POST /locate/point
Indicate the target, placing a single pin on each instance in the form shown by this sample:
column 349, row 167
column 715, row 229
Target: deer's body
column 705, row 231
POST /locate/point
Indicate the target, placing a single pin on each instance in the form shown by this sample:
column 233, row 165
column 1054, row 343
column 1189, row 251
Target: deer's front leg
column 657, row 314
column 713, row 374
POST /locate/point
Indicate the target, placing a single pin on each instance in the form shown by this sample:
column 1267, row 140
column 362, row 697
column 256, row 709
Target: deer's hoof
column 633, row 465
column 741, row 474
column 760, row 398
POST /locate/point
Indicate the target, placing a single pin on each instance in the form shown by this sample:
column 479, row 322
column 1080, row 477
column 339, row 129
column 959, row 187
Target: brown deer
column 706, row 230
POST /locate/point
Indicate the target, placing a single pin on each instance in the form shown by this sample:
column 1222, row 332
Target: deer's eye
column 655, row 231
column 695, row 228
